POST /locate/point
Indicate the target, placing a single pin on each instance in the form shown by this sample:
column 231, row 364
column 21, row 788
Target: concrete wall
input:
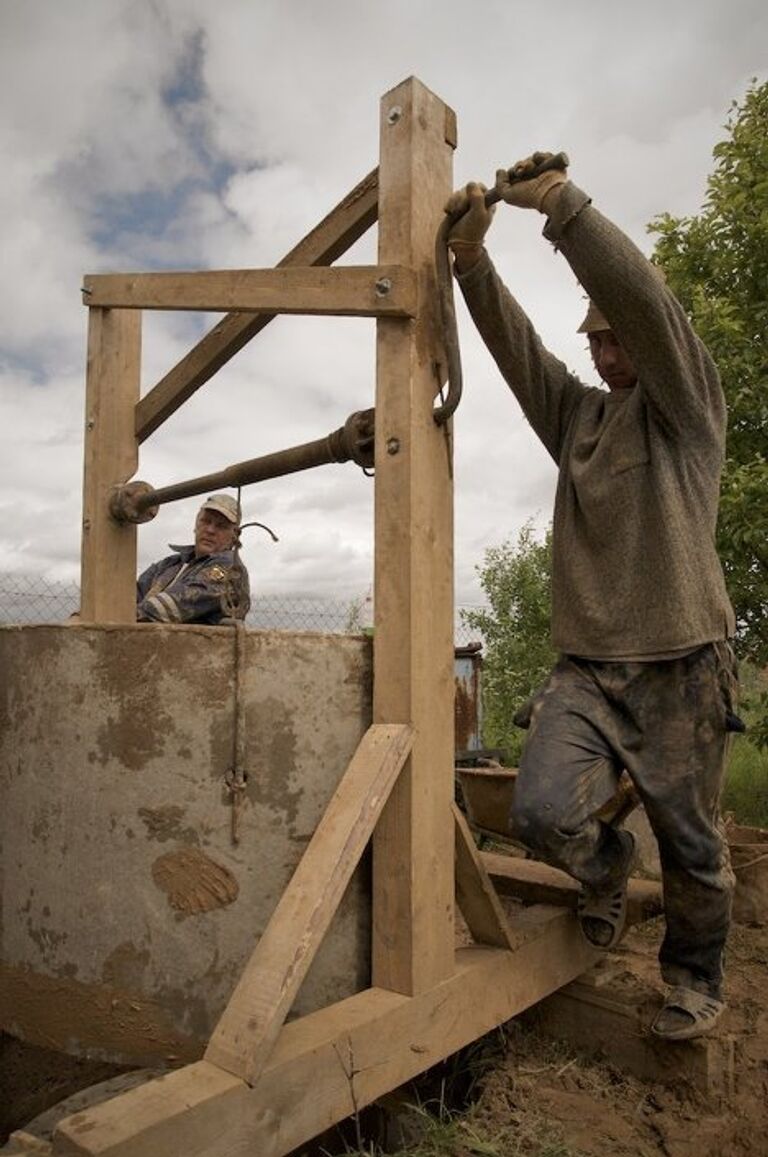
column 127, row 911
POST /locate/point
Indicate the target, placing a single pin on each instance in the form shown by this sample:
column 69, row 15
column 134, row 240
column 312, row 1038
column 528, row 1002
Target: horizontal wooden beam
column 537, row 883
column 358, row 290
column 323, row 245
column 249, row 1026
column 331, row 1062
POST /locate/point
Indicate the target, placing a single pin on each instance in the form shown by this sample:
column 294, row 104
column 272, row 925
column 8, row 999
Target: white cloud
column 183, row 134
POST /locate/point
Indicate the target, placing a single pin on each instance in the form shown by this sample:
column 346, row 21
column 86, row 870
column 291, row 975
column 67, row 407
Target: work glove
column 473, row 217
column 516, row 188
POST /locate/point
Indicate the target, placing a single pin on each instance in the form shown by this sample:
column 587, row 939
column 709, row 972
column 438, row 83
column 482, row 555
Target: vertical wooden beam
column 413, row 889
column 108, row 574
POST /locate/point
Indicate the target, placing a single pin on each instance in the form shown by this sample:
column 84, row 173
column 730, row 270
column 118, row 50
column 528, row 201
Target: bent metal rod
column 139, row 502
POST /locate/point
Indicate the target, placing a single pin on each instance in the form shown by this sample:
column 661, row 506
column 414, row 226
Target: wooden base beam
column 330, row 1063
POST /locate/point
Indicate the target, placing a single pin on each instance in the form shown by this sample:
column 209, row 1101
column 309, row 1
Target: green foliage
column 448, row 1134
column 516, row 579
column 717, row 265
column 746, row 785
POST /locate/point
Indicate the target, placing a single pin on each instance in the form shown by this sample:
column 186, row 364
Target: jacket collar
column 187, row 554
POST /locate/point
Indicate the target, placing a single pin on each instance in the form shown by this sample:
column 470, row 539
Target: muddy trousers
column 665, row 722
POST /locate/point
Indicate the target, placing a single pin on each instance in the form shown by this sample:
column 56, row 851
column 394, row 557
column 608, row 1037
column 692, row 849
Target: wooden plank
column 537, row 883
column 323, row 245
column 413, row 884
column 611, row 1018
column 249, row 1026
column 108, row 558
column 359, row 290
column 325, row 1064
column 475, row 894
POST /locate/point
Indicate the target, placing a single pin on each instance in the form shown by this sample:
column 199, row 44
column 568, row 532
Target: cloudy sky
column 162, row 134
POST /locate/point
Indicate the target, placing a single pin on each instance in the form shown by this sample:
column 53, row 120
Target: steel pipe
column 139, row 502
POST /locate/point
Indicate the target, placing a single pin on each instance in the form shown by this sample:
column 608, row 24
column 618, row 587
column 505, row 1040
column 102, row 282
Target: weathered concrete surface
column 127, row 912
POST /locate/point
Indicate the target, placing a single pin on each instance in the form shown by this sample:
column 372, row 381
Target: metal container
column 468, row 663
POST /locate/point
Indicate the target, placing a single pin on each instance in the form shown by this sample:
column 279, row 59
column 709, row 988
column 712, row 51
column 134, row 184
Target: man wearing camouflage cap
column 201, row 583
column 640, row 615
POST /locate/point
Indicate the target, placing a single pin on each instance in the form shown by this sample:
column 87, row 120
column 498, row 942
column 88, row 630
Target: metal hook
column 263, row 527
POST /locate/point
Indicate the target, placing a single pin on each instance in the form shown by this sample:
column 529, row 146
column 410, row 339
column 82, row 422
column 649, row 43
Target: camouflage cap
column 225, row 504
column 594, row 321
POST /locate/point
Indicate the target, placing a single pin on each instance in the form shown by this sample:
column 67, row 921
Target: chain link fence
column 26, row 598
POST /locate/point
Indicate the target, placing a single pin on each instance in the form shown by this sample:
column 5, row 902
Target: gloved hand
column 514, row 187
column 473, row 217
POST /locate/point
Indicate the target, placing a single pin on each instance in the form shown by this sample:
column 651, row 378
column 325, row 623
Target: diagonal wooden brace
column 475, row 894
column 243, row 1039
column 348, row 221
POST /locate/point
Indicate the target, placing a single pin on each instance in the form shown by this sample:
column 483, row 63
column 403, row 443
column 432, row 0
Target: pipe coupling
column 132, row 502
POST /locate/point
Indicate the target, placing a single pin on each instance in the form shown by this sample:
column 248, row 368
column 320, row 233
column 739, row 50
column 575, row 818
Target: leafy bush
column 517, row 581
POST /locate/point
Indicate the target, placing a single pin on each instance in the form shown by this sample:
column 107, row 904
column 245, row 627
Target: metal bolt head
column 383, row 286
column 393, row 445
column 394, row 114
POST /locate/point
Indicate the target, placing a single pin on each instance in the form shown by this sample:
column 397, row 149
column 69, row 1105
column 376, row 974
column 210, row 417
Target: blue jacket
column 185, row 589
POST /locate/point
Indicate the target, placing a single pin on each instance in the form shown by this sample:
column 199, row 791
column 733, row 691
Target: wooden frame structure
column 266, row 1086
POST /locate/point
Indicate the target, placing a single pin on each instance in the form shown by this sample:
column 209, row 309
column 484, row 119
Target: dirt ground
column 545, row 1098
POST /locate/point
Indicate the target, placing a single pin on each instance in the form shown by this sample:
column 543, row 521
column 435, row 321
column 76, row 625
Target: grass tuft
column 746, row 784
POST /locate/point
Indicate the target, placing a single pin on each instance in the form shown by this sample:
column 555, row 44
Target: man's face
column 611, row 361
column 213, row 533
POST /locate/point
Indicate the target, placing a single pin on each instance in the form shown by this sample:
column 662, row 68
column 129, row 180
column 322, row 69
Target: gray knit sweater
column 634, row 573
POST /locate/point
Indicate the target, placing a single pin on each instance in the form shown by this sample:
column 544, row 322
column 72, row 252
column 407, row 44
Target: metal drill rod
column 556, row 161
column 139, row 502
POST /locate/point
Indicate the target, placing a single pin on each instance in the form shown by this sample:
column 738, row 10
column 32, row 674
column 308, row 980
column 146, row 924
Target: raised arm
column 546, row 391
column 675, row 371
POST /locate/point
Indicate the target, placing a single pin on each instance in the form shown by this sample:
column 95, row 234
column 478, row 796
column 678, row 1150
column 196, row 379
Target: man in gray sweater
column 640, row 616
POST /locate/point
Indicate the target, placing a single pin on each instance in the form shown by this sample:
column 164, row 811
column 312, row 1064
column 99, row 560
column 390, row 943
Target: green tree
column 717, row 265
column 516, row 579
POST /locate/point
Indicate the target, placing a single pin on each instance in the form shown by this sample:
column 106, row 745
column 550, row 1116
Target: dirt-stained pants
column 665, row 722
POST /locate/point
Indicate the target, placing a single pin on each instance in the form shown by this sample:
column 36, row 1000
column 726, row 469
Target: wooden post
column 108, row 574
column 413, row 887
